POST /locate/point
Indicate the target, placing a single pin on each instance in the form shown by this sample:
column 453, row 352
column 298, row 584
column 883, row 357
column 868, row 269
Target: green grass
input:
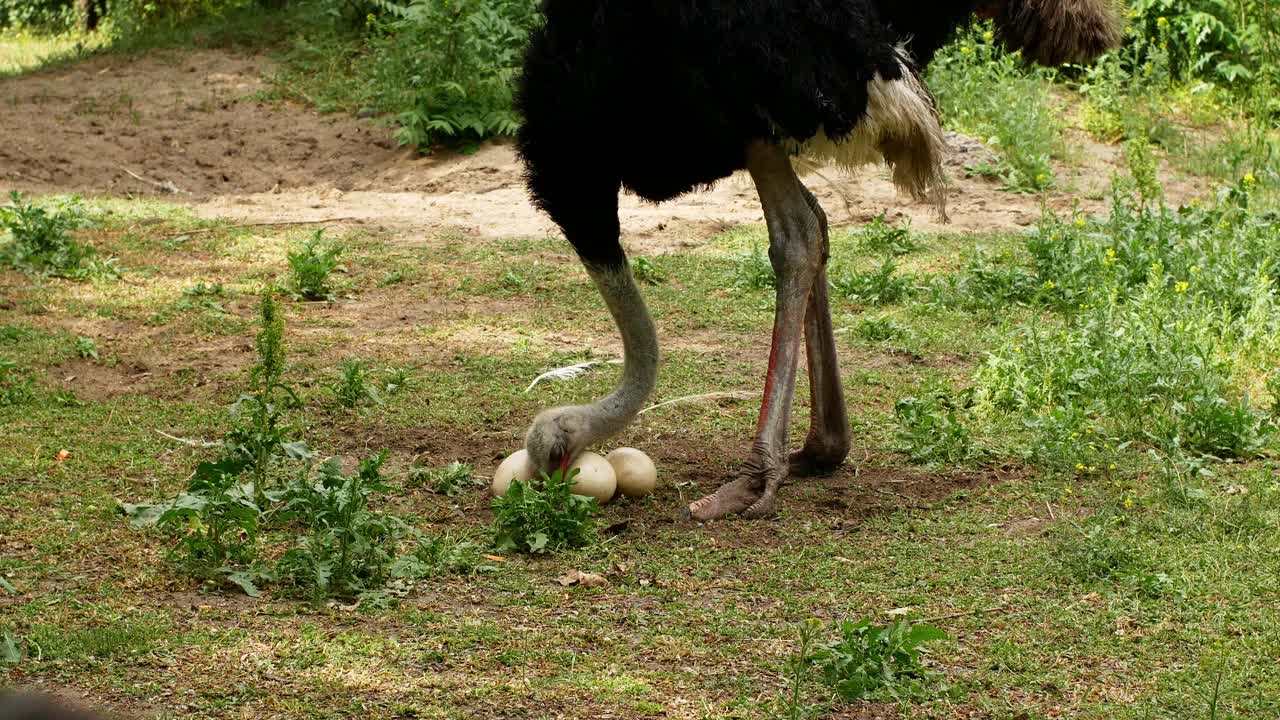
column 1091, row 592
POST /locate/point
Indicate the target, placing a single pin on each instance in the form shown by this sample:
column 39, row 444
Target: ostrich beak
column 564, row 466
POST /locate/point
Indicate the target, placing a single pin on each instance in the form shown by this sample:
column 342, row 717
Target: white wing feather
column 569, row 372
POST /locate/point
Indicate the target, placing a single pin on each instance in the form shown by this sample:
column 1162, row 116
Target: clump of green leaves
column 438, row 555
column 87, row 348
column 15, row 383
column 311, row 264
column 881, row 238
column 876, row 662
column 881, row 286
column 988, row 93
column 457, row 60
column 349, row 548
column 451, row 480
column 752, row 270
column 38, row 240
column 647, row 271
column 543, row 516
column 262, row 430
column 1164, row 311
column 932, row 426
column 878, row 329
column 357, row 385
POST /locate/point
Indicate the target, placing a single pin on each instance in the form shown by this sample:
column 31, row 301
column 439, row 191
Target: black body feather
column 663, row 97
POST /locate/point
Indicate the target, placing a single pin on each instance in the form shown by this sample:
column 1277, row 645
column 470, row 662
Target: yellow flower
column 1162, row 22
column 1249, row 179
column 1181, row 286
column 965, row 50
column 1112, row 466
column 1079, row 222
column 1048, row 285
column 1128, row 503
column 1111, row 253
column 988, row 35
column 1080, row 466
column 1042, row 179
column 1195, row 269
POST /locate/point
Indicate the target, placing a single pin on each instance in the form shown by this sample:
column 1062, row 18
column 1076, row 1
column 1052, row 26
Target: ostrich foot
column 817, row 458
column 752, row 495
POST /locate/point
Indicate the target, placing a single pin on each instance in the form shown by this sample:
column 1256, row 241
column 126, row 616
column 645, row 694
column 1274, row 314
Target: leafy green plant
column 878, row 329
column 932, row 426
column 647, row 271
column 203, row 296
column 87, row 348
column 311, row 264
column 881, row 238
column 15, row 383
column 797, row 667
column 438, row 555
column 216, row 520
column 881, row 286
column 543, row 516
column 262, row 430
column 752, row 271
column 459, row 59
column 40, row 242
column 451, row 480
column 879, row 662
column 353, row 386
column 350, row 548
column 988, row 93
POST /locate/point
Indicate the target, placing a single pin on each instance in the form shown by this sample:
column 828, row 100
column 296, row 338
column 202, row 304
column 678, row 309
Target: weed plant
column 543, row 516
column 451, row 480
column 15, row 383
column 882, row 286
column 349, row 548
column 988, row 93
column 876, row 662
column 311, row 266
column 39, row 241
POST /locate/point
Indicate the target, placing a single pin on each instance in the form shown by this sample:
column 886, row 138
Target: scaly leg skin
column 795, row 249
column 827, row 444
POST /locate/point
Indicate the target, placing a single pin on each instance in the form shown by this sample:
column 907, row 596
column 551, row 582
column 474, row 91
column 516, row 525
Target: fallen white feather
column 570, row 372
column 726, row 395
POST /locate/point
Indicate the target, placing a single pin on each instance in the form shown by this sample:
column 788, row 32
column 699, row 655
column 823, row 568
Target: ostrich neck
column 609, row 415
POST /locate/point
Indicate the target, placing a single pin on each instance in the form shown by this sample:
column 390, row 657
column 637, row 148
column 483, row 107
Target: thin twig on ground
column 164, row 185
column 189, row 441
column 212, row 228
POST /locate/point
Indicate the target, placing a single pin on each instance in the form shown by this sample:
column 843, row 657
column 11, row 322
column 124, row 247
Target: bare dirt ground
column 193, row 126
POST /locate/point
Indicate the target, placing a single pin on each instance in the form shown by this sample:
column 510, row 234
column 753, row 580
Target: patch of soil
column 190, row 121
column 187, row 120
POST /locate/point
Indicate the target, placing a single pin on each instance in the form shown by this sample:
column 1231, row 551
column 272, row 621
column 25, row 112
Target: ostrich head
column 1054, row 32
column 557, row 436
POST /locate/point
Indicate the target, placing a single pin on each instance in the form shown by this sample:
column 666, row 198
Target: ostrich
column 666, row 97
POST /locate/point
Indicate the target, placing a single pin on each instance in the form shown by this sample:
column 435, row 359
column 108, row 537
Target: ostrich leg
column 796, row 251
column 827, row 444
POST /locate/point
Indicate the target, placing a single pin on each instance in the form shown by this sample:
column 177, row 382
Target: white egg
column 517, row 466
column 636, row 473
column 595, row 477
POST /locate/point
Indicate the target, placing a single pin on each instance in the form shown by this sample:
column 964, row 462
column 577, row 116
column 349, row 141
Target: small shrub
column 311, row 265
column 40, row 242
column 932, row 427
column 216, row 519
column 876, row 662
column 880, row 238
column 262, row 430
column 350, row 548
column 542, row 516
column 15, row 383
column 878, row 329
column 353, row 386
column 438, row 555
column 87, row 348
column 877, row 287
column 988, row 93
column 647, row 272
column 451, row 480
column 752, row 271
column 203, row 296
